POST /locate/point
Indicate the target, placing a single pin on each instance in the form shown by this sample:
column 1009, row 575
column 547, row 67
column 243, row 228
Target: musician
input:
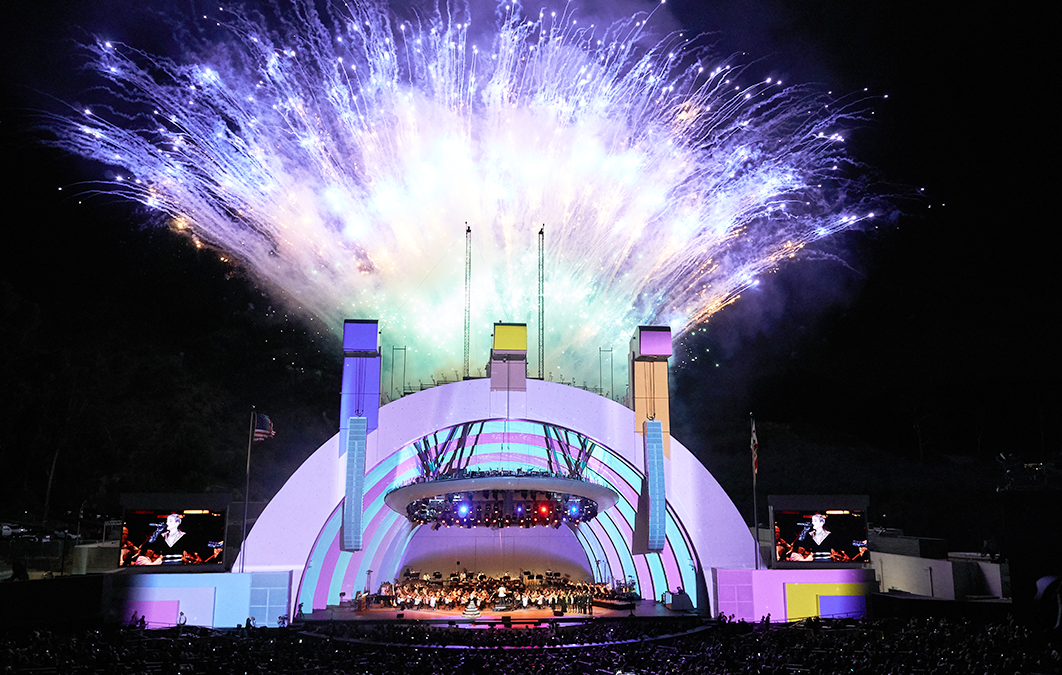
column 816, row 543
column 171, row 545
column 782, row 547
column 129, row 551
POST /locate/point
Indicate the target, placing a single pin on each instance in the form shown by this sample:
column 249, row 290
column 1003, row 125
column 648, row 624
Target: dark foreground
column 649, row 646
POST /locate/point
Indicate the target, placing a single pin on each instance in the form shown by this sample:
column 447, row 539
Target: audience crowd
column 546, row 633
column 642, row 646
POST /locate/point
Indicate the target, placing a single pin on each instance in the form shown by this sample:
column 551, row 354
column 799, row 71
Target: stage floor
column 519, row 618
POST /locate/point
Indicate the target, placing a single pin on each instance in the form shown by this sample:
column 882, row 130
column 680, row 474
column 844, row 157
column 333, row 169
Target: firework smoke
column 338, row 157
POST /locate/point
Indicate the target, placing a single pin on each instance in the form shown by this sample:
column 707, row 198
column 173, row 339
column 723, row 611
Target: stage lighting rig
column 501, row 508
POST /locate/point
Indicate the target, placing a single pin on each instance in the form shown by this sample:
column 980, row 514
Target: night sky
column 899, row 363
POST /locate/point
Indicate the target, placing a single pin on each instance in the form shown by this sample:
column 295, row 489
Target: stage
column 520, row 618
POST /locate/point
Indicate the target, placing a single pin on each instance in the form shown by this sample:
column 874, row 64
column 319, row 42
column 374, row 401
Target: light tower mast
column 468, row 290
column 542, row 302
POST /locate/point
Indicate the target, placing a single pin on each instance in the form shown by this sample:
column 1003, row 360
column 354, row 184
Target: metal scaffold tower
column 542, row 303
column 468, row 290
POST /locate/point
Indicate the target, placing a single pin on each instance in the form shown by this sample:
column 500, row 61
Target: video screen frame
column 819, row 531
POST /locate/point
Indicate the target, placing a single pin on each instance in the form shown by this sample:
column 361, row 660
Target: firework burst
column 339, row 156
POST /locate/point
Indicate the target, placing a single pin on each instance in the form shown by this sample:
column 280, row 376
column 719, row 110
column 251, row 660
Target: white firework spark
column 339, row 158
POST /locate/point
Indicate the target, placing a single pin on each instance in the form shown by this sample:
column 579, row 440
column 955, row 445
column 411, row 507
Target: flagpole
column 755, row 505
column 246, row 496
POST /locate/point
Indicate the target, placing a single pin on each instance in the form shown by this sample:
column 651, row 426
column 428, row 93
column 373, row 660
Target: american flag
column 755, row 445
column 263, row 427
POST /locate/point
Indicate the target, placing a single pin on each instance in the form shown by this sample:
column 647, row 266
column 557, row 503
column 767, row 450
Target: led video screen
column 821, row 531
column 168, row 537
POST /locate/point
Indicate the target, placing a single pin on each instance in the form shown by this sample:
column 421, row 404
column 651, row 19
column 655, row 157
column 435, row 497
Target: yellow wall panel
column 802, row 600
column 510, row 337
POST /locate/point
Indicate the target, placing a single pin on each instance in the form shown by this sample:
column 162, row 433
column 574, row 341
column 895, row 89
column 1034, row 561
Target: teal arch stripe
column 677, row 549
column 615, row 536
column 390, row 527
column 311, row 571
column 589, row 541
column 335, row 586
column 622, row 517
column 627, row 512
column 610, row 552
column 683, row 560
column 391, row 561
